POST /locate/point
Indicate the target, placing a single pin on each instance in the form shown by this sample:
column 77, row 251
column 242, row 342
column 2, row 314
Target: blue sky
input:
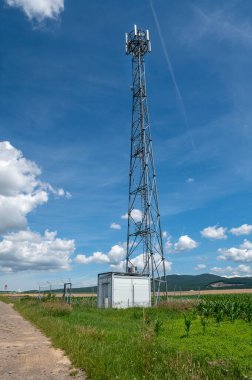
column 65, row 103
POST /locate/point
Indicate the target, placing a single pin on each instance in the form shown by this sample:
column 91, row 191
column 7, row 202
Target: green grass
column 144, row 344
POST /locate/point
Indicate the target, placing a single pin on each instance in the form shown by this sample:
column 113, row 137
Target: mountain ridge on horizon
column 178, row 282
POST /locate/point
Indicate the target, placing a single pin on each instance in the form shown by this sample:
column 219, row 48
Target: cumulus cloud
column 185, row 243
column 214, row 232
column 246, row 244
column 244, row 229
column 115, row 226
column 117, row 253
column 20, row 189
column 116, row 259
column 200, row 267
column 235, row 254
column 17, row 174
column 27, row 250
column 114, row 256
column 243, row 253
column 96, row 257
column 240, row 270
column 21, row 192
column 39, row 9
column 135, row 214
column 243, row 270
column 138, row 262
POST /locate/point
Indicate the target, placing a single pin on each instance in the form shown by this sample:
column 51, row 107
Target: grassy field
column 185, row 339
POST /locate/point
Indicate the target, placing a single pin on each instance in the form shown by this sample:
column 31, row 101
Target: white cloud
column 96, row 257
column 116, row 254
column 21, row 192
column 240, row 270
column 200, row 267
column 245, row 229
column 39, row 9
column 168, row 266
column 235, row 254
column 221, row 271
column 115, row 226
column 167, row 243
column 27, row 250
column 246, row 244
column 17, row 174
column 214, row 232
column 20, row 189
column 242, row 254
column 190, row 180
column 120, row 267
column 185, row 243
column 244, row 269
column 138, row 261
column 135, row 214
column 61, row 193
column 116, row 259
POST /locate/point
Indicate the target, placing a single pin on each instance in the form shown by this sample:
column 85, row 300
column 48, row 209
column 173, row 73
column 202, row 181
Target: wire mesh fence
column 77, row 291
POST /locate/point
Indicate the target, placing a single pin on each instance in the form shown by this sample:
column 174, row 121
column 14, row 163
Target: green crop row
column 230, row 307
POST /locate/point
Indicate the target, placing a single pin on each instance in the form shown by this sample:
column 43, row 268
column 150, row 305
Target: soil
column 26, row 354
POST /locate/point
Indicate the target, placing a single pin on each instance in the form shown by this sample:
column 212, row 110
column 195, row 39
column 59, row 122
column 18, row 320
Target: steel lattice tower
column 144, row 229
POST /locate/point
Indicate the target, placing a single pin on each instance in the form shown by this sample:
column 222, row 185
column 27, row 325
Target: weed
column 157, row 326
column 56, row 308
column 73, row 372
column 49, row 297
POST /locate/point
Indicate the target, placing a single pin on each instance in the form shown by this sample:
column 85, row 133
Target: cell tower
column 144, row 229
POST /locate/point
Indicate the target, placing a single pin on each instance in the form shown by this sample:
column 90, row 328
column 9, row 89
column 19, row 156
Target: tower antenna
column 144, row 237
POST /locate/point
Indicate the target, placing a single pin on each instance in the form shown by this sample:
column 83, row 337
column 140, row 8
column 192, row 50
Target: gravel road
column 26, row 354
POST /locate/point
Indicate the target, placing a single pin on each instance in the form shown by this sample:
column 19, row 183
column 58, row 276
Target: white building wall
column 122, row 291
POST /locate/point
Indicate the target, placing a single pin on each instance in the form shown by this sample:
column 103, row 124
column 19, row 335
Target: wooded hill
column 190, row 282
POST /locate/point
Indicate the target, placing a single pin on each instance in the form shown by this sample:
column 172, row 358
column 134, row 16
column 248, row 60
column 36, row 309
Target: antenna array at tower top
column 137, row 42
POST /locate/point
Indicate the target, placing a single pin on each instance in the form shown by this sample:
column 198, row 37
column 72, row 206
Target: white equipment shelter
column 123, row 290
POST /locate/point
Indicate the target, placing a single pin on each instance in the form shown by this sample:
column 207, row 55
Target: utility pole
column 144, row 238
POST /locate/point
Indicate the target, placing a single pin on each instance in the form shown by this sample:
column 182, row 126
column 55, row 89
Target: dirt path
column 26, row 354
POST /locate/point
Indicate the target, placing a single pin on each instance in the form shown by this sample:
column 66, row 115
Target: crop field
column 176, row 293
column 186, row 338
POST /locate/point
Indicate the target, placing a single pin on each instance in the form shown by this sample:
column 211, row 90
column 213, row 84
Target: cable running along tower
column 144, row 236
